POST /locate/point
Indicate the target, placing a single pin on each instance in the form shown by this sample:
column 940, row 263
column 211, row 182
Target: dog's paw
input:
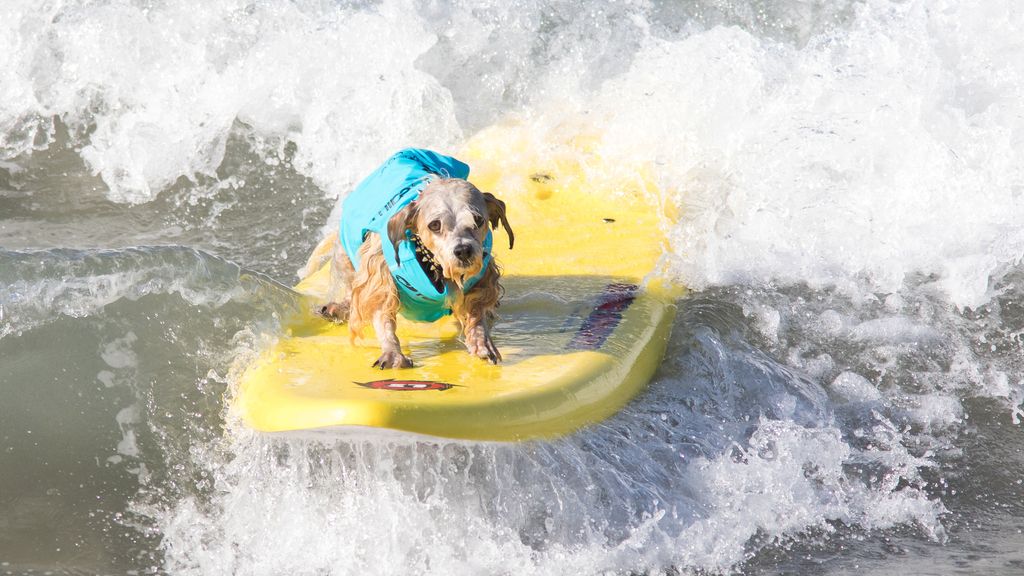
column 483, row 347
column 334, row 311
column 393, row 360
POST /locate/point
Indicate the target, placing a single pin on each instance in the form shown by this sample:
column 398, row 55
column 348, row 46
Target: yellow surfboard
column 584, row 321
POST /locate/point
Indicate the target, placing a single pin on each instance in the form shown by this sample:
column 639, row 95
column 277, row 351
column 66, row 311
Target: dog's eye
column 479, row 221
column 435, row 226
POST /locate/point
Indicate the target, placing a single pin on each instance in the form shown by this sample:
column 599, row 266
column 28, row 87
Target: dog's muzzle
column 464, row 253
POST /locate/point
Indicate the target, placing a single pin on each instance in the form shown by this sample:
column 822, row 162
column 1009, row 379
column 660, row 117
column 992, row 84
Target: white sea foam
column 726, row 447
column 886, row 147
column 158, row 87
column 436, row 508
column 877, row 151
column 853, row 387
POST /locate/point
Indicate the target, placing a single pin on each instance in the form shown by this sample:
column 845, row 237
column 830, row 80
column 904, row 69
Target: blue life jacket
column 380, row 196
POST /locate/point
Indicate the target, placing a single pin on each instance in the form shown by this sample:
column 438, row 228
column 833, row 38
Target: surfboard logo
column 405, row 385
column 605, row 317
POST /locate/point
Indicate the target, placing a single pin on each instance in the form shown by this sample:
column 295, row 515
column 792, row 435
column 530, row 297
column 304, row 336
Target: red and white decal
column 405, row 385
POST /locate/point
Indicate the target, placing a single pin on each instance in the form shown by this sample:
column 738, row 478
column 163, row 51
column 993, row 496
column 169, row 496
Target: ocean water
column 843, row 388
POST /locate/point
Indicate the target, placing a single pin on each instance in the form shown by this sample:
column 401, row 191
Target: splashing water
column 841, row 394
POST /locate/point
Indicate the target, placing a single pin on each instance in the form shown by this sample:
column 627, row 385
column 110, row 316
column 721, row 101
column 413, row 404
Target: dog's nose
column 463, row 252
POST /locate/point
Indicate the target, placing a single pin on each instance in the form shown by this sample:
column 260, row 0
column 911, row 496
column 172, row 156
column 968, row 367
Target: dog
column 415, row 239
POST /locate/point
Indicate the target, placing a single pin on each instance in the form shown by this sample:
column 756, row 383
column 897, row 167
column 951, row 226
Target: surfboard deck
column 584, row 322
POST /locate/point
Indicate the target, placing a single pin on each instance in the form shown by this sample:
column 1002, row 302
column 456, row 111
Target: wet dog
column 428, row 258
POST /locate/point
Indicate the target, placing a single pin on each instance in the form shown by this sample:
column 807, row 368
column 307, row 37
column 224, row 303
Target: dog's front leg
column 391, row 350
column 477, row 331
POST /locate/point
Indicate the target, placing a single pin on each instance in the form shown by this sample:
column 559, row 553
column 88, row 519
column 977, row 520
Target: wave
column 846, row 177
column 727, row 448
column 38, row 287
column 841, row 144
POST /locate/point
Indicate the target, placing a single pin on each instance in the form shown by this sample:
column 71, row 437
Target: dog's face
column 451, row 218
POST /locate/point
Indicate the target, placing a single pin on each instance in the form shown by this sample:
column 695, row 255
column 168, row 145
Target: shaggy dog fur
column 451, row 217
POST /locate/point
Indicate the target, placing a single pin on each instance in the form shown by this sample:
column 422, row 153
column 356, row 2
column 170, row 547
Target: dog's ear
column 398, row 224
column 496, row 213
